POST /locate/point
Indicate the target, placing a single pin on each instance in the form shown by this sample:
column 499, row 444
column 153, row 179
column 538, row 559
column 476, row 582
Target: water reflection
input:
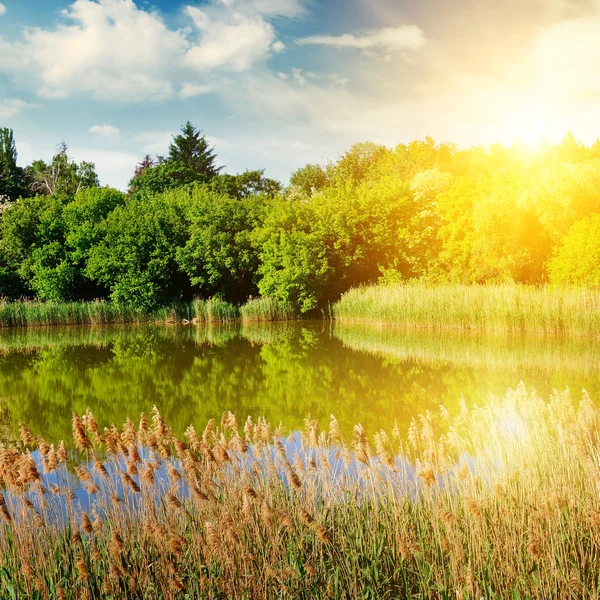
column 282, row 371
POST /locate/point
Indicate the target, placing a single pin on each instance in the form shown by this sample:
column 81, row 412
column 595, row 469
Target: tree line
column 420, row 211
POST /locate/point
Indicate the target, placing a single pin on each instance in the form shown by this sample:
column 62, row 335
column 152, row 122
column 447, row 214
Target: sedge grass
column 501, row 308
column 266, row 309
column 494, row 502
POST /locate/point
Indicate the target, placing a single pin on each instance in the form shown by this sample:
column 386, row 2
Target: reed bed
column 509, row 307
column 495, row 502
column 266, row 309
column 29, row 313
column 46, row 314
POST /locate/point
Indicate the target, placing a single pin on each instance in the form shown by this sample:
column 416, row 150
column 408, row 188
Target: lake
column 283, row 372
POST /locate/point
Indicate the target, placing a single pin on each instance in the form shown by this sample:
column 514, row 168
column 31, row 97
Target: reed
column 494, row 502
column 266, row 309
column 509, row 307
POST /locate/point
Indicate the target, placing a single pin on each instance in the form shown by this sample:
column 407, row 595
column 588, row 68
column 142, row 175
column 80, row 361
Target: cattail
column 134, row 455
column 91, row 425
column 427, row 475
column 129, row 435
column 86, row 524
column 143, row 428
column 306, row 517
column 82, row 443
column 212, row 538
column 249, row 430
column 50, row 461
column 267, row 514
column 130, row 483
column 4, row 510
column 84, row 572
column 322, row 534
column 174, row 474
column 173, row 501
column 294, row 479
column 61, row 453
column 132, row 469
column 26, row 435
column 250, row 492
column 148, row 475
column 116, row 545
column 83, row 473
column 209, row 432
column 287, row 522
column 177, row 544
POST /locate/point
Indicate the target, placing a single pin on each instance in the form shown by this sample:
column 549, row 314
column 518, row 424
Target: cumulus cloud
column 10, row 107
column 406, row 37
column 237, row 42
column 105, row 131
column 271, row 8
column 116, row 50
column 2, row 9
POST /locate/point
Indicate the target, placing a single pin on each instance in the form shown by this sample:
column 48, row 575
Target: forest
column 423, row 211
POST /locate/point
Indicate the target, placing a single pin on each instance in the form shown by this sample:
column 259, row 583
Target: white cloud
column 563, row 64
column 191, row 90
column 406, row 37
column 115, row 50
column 154, row 142
column 114, row 168
column 2, row 9
column 269, row 8
column 236, row 43
column 105, row 131
column 10, row 107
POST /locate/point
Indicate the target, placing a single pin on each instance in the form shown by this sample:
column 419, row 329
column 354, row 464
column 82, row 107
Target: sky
column 276, row 84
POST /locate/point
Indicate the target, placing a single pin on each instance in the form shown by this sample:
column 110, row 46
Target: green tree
column 219, row 257
column 137, row 258
column 245, row 185
column 63, row 176
column 12, row 178
column 190, row 160
column 309, row 179
column 577, row 260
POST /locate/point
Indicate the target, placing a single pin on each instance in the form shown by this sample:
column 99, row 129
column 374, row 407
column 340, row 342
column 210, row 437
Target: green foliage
column 219, row 256
column 13, row 182
column 309, row 179
column 136, row 259
column 577, row 260
column 245, row 185
column 190, row 160
column 63, row 176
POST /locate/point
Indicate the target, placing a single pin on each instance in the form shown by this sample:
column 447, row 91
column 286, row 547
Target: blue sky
column 275, row 84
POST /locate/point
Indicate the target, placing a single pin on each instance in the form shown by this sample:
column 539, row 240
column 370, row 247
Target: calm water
column 283, row 372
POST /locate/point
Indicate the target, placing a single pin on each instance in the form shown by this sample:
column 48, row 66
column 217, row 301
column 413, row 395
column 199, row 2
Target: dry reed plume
column 494, row 502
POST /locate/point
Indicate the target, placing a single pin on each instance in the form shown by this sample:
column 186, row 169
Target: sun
column 529, row 125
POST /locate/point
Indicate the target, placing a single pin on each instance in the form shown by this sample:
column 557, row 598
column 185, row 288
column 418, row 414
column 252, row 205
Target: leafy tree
column 309, row 179
column 12, row 178
column 577, row 260
column 63, row 176
column 137, row 258
column 220, row 257
column 245, row 185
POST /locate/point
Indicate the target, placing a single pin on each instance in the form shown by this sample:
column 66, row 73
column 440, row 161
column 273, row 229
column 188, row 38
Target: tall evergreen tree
column 191, row 152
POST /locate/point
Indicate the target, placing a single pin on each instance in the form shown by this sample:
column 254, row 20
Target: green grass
column 502, row 308
column 266, row 309
column 213, row 310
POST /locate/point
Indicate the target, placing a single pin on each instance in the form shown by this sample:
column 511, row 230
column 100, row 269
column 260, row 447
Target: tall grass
column 33, row 313
column 512, row 308
column 266, row 309
column 493, row 502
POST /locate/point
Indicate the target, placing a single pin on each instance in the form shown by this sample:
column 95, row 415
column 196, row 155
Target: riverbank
column 32, row 313
column 498, row 501
column 498, row 308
